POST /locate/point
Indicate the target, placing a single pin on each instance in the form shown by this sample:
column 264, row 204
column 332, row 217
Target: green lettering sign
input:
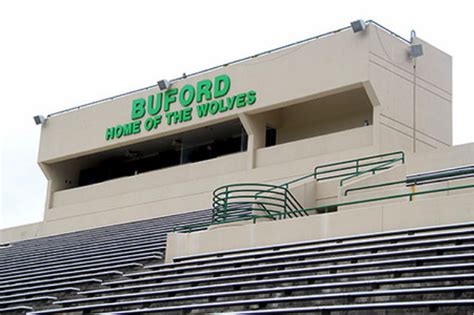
column 138, row 108
column 173, row 106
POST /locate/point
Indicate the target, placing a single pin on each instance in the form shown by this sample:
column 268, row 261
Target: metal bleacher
column 34, row 273
column 416, row 270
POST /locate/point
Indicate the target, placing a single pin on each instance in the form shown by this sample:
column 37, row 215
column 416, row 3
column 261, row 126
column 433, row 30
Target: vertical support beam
column 255, row 129
column 376, row 109
column 51, row 186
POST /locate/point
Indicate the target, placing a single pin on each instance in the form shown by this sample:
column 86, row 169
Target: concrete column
column 369, row 89
column 255, row 128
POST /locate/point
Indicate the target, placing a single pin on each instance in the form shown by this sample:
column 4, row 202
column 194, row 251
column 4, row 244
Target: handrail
column 365, row 158
column 356, row 165
column 283, row 204
column 350, row 175
column 318, row 210
column 430, row 176
column 230, row 200
column 380, row 167
column 202, row 226
column 190, row 227
column 423, row 179
column 374, row 186
column 240, row 201
column 266, row 210
column 287, row 184
column 397, row 196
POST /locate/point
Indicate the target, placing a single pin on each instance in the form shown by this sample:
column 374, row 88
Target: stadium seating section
column 120, row 268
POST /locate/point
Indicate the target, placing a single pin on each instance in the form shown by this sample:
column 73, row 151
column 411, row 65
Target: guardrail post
column 286, row 197
column 357, row 166
column 225, row 202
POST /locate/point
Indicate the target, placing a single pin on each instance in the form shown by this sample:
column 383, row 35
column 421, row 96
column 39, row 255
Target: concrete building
column 344, row 134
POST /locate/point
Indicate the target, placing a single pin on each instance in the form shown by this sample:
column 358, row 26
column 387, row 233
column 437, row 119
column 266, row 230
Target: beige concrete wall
column 157, row 180
column 404, row 93
column 255, row 126
column 434, row 211
column 460, row 155
column 22, row 232
column 314, row 194
column 402, row 189
column 330, row 147
column 395, row 173
column 343, row 111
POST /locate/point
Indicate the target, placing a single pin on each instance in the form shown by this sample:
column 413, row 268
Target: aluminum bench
column 46, row 286
column 56, row 273
column 251, row 301
column 82, row 264
column 38, row 293
column 12, row 309
column 28, row 300
column 356, row 307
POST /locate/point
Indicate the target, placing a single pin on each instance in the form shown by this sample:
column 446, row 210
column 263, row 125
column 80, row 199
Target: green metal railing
column 410, row 195
column 423, row 179
column 253, row 201
column 243, row 200
column 191, row 227
column 249, row 202
column 203, row 226
column 287, row 184
column 375, row 186
column 277, row 215
column 358, row 167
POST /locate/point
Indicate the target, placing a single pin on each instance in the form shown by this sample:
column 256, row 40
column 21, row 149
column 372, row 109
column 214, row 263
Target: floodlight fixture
column 39, row 119
column 416, row 50
column 358, row 26
column 164, row 85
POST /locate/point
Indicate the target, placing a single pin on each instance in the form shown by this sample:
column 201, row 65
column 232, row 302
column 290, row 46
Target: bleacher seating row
column 34, row 273
column 120, row 269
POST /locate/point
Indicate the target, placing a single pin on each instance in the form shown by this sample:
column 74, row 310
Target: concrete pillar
column 255, row 128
